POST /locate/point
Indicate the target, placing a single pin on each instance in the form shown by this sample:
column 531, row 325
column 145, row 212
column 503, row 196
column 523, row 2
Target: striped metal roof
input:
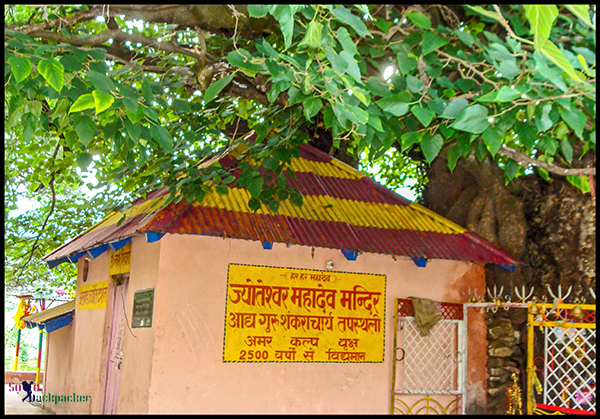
column 342, row 209
column 49, row 314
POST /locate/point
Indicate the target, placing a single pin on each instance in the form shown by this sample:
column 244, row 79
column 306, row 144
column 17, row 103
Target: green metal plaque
column 143, row 304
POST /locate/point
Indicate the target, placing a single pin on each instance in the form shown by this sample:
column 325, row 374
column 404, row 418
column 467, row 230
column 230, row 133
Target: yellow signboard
column 120, row 261
column 92, row 296
column 301, row 315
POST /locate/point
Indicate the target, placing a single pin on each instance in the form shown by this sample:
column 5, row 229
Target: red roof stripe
column 253, row 226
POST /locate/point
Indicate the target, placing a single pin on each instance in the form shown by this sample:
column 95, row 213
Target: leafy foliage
column 146, row 103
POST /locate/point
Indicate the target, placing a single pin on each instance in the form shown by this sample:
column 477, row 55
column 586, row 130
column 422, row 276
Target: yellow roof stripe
column 144, row 207
column 333, row 168
column 327, row 208
column 438, row 218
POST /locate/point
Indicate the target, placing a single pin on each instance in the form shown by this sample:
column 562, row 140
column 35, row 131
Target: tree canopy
column 149, row 96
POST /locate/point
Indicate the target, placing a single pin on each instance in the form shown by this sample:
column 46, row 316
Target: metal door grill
column 429, row 366
column 421, row 375
column 564, row 376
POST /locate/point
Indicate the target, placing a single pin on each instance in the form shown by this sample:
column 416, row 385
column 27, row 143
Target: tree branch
column 524, row 160
column 37, row 239
column 118, row 36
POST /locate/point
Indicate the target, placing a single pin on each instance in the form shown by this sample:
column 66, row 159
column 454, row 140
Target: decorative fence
column 561, row 359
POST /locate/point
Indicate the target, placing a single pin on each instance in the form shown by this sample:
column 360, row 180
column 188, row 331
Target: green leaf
column 454, row 153
column 53, row 72
column 541, row 19
column 351, row 65
column 362, row 95
column 20, row 67
column 258, row 10
column 480, row 151
column 454, row 108
column 136, row 116
column 243, row 59
column 312, row 38
column 574, row 118
column 487, row 13
column 543, row 122
column 82, row 103
column 393, row 105
column 346, row 16
column 83, row 161
column 162, row 136
column 376, row 87
column 181, row 106
column 410, row 138
column 101, row 81
column 285, row 17
column 312, row 106
column 431, row 42
column 580, row 182
column 406, row 63
column 134, row 131
column 505, row 94
column 375, row 122
column 554, row 75
column 147, row 92
column 431, row 146
column 254, row 204
column 566, row 149
column 581, row 11
column 346, row 41
column 102, row 101
column 215, row 88
column 419, row 20
column 465, row 36
column 355, row 114
column 222, row 190
column 255, row 185
column 425, row 116
column 493, row 138
column 85, row 128
column 414, row 84
column 551, row 51
column 473, row 119
column 511, row 170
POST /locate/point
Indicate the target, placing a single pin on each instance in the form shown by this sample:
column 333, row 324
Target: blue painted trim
column 59, row 322
column 509, row 268
column 53, row 324
column 152, row 237
column 75, row 257
column 267, row 245
column 114, row 246
column 420, row 262
column 55, row 263
column 97, row 251
column 350, row 254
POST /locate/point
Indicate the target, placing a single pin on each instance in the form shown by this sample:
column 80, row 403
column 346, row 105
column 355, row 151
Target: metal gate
column 428, row 374
column 561, row 361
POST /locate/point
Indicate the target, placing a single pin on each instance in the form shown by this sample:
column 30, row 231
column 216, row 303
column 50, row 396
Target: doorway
column 115, row 343
column 428, row 373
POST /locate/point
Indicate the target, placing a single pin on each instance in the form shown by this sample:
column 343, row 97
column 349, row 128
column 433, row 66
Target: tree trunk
column 548, row 225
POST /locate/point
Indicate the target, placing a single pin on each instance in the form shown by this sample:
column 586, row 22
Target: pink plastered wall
column 57, row 373
column 188, row 374
column 138, row 343
column 75, row 353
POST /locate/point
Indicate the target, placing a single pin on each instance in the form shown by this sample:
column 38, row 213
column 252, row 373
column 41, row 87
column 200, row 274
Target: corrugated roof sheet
column 343, row 209
column 52, row 313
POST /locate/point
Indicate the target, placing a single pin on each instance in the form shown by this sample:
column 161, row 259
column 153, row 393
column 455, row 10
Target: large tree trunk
column 549, row 226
